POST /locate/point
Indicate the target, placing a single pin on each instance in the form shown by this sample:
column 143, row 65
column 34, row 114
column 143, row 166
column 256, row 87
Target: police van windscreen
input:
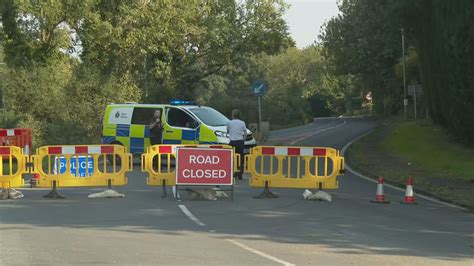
column 210, row 116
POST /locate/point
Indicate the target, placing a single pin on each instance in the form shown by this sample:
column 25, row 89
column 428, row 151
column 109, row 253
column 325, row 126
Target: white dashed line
column 190, row 215
column 258, row 252
column 198, row 222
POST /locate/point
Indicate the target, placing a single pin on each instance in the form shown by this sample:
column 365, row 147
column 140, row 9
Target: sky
column 305, row 18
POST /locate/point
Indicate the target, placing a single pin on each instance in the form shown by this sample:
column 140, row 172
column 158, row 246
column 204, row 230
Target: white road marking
column 191, row 216
column 258, row 252
column 347, row 167
column 198, row 222
column 317, row 132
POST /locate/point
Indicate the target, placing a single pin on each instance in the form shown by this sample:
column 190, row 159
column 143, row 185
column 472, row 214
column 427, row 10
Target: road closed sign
column 204, row 166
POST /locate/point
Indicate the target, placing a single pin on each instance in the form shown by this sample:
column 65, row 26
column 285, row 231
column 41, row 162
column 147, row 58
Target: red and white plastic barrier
column 171, row 149
column 289, row 151
column 80, row 149
column 20, row 137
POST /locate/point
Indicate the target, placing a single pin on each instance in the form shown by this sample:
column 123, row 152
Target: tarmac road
column 143, row 228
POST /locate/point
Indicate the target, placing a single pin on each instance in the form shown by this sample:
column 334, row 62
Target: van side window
column 142, row 116
column 179, row 118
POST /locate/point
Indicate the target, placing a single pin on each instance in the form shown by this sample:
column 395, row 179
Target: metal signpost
column 405, row 100
column 368, row 98
column 414, row 90
column 258, row 88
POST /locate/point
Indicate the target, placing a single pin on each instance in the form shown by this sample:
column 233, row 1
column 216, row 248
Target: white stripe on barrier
column 94, row 150
column 10, row 132
column 68, row 150
column 306, row 152
column 26, row 149
column 281, row 151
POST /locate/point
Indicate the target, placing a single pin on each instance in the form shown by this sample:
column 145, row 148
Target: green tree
column 365, row 41
column 37, row 32
column 169, row 47
column 37, row 95
column 67, row 60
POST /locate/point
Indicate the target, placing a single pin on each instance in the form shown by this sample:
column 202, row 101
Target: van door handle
column 169, row 131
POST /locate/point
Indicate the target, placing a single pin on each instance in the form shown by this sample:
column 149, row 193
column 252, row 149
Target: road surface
column 143, row 228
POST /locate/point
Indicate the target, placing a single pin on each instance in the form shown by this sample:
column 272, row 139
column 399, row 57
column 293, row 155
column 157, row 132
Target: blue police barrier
column 80, row 166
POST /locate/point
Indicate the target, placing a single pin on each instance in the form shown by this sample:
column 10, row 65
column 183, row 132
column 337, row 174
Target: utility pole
column 146, row 79
column 414, row 100
column 405, row 100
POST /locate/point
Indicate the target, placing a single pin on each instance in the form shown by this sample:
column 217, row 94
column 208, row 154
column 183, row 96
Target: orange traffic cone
column 409, row 195
column 379, row 196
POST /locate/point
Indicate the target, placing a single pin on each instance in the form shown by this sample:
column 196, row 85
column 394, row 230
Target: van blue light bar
column 182, row 102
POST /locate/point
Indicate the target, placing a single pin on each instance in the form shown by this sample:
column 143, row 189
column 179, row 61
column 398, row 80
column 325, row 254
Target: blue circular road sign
column 258, row 88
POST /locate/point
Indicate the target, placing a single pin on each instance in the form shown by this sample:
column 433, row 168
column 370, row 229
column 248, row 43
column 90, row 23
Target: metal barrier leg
column 163, row 186
column 266, row 193
column 54, row 194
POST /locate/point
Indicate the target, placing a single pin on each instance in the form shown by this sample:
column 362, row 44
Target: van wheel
column 110, row 157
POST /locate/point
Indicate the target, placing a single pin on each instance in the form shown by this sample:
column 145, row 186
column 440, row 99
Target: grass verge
column 397, row 149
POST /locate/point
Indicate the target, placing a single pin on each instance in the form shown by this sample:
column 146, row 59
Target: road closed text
column 190, row 173
column 204, row 166
column 204, row 173
column 199, row 159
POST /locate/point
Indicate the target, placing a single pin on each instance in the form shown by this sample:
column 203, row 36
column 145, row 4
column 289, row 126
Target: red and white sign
column 368, row 96
column 204, row 166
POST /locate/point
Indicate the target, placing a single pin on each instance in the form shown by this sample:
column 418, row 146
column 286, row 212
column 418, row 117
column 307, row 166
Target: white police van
column 183, row 122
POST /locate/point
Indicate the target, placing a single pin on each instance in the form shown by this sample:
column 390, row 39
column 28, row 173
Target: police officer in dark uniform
column 156, row 128
column 156, row 132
